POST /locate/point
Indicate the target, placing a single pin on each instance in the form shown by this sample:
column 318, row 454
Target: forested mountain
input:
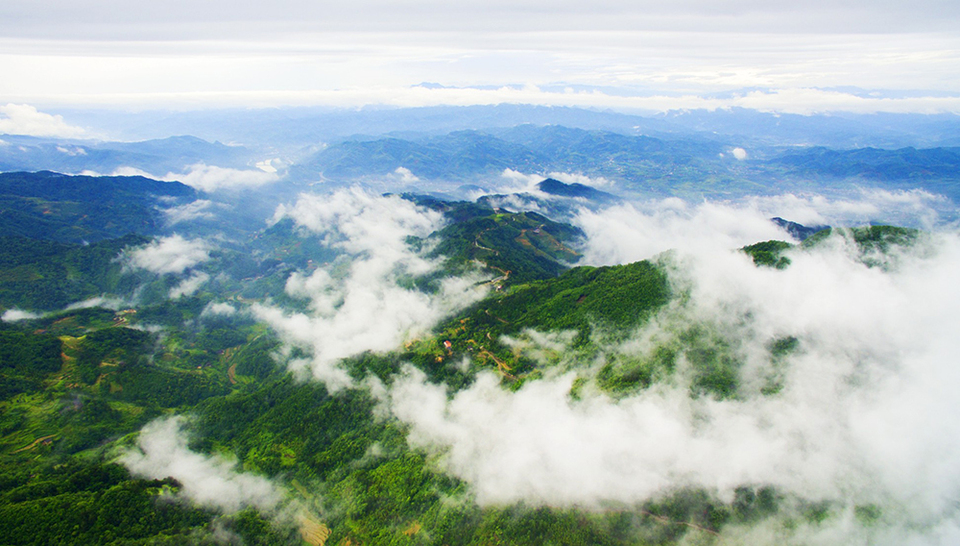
column 75, row 383
column 53, row 206
column 401, row 369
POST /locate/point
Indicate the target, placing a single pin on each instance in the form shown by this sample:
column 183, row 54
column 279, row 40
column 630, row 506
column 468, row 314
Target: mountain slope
column 492, row 423
column 47, row 205
column 876, row 164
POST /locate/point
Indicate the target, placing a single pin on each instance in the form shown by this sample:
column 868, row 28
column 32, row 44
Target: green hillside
column 46, row 275
column 76, row 209
column 78, row 386
column 520, row 247
column 91, row 380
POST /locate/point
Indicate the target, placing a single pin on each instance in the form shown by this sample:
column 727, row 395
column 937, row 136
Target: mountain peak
column 561, row 189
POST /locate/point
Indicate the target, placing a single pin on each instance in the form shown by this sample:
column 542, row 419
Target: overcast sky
column 803, row 56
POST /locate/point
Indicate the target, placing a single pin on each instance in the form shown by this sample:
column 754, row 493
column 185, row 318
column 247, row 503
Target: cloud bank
column 365, row 300
column 210, row 481
column 865, row 413
column 653, row 56
column 633, row 232
column 210, row 178
column 641, row 230
column 23, row 119
column 206, row 178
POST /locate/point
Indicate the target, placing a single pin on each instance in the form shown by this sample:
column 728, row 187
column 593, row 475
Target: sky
column 629, row 55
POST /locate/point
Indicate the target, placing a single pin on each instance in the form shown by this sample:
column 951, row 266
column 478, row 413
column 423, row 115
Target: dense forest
column 93, row 397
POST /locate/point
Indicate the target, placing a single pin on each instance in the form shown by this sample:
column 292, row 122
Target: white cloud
column 195, row 210
column 902, row 207
column 23, row 119
column 126, row 171
column 98, row 301
column 14, row 315
column 190, row 285
column 518, row 182
column 541, row 346
column 75, row 151
column 607, row 55
column 638, row 231
column 289, row 17
column 219, row 308
column 690, row 96
column 172, row 254
column 804, row 101
column 739, row 153
column 628, row 232
column 866, row 413
column 108, row 302
column 210, row 178
column 210, row 481
column 207, row 178
column 406, row 176
column 358, row 221
column 363, row 301
column 268, row 165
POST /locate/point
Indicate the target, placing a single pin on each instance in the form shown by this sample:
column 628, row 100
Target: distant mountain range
column 636, row 165
column 458, row 151
column 876, row 164
column 157, row 157
column 296, row 128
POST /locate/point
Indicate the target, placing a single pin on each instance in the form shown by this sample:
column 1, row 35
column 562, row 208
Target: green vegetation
column 519, row 247
column 93, row 505
column 617, row 296
column 78, row 209
column 868, row 239
column 45, row 275
column 876, row 246
column 68, row 403
column 25, row 359
column 75, row 385
column 769, row 253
